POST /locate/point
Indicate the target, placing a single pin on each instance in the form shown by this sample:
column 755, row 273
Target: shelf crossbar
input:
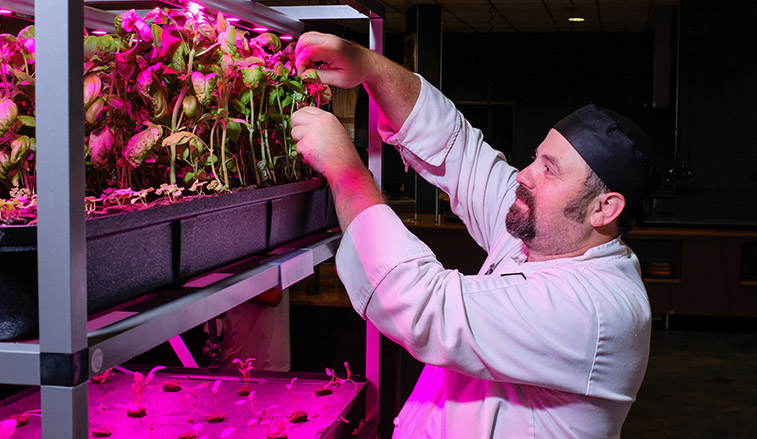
column 228, row 287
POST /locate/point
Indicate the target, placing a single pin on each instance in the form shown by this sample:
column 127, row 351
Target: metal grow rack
column 67, row 354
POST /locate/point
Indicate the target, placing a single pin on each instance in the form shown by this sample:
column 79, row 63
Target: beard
column 521, row 223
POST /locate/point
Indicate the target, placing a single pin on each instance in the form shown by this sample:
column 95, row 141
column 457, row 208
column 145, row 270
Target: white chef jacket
column 553, row 349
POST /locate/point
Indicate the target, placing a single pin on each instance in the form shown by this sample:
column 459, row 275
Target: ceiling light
column 576, row 19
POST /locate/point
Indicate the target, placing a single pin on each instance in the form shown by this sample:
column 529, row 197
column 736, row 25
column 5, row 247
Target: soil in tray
column 170, row 415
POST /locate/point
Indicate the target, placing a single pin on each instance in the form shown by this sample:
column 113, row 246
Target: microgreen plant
column 297, row 415
column 102, row 430
column 170, row 99
column 216, row 416
column 138, row 386
column 101, row 378
column 245, row 368
column 17, row 420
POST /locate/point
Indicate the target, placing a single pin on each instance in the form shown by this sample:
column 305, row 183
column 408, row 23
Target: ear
column 607, row 208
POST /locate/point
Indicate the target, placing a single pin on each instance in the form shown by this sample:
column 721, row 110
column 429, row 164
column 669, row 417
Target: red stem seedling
column 245, row 368
column 22, row 419
column 102, row 430
column 138, row 386
column 325, row 390
column 276, row 429
column 216, row 416
column 297, row 416
column 101, row 378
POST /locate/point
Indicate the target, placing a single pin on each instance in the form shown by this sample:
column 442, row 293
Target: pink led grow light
column 5, row 12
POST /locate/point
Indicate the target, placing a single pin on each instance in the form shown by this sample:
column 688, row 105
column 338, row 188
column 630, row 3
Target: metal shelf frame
column 67, row 354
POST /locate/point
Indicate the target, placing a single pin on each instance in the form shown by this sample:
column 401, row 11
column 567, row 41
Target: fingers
column 309, row 50
column 334, row 60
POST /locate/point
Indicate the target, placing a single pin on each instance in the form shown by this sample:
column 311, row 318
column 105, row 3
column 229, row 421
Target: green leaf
column 159, row 103
column 188, row 177
column 92, row 87
column 19, row 148
column 233, row 131
column 92, row 115
column 239, row 107
column 157, row 36
column 189, row 106
column 140, row 144
column 252, row 76
column 178, row 138
column 8, row 113
column 27, row 32
column 101, row 144
column 179, row 57
column 28, row 121
column 203, row 86
column 221, row 23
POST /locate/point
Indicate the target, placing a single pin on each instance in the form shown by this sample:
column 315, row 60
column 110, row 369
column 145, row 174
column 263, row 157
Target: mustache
column 523, row 194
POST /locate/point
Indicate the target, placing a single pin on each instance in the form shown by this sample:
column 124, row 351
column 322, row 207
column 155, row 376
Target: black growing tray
column 131, row 254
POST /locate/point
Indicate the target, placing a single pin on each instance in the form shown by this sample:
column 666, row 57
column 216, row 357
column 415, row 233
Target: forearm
column 354, row 191
column 394, row 89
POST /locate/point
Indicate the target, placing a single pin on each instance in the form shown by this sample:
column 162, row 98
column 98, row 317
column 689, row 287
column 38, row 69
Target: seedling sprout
column 297, row 416
column 216, row 416
column 140, row 382
column 245, row 368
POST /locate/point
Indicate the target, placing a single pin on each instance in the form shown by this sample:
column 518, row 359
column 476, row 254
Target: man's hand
column 344, row 64
column 323, row 142
column 326, row 147
column 338, row 62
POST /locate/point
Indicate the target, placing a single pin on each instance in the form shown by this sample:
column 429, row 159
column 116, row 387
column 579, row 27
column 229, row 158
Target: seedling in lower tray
column 216, row 416
column 326, row 389
column 297, row 416
column 103, row 430
column 18, row 420
column 245, row 368
column 101, row 378
column 138, row 386
column 276, row 429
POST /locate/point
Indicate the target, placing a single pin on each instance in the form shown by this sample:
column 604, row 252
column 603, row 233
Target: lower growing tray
column 172, row 414
column 131, row 254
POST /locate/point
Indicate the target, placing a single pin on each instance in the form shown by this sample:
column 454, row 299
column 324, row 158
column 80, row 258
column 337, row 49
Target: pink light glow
column 99, row 32
column 260, row 29
column 232, row 19
column 286, row 37
column 194, row 8
column 5, row 12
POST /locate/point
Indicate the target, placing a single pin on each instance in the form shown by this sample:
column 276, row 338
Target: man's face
column 552, row 182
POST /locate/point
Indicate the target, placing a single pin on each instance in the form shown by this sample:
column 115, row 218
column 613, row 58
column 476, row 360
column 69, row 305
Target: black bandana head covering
column 616, row 150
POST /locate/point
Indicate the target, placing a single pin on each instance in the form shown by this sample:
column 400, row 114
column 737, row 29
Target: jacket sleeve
column 539, row 330
column 447, row 151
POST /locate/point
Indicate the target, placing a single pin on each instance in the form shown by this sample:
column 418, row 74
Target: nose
column 524, row 176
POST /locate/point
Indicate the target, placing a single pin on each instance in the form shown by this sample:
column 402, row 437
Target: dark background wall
column 703, row 142
column 718, row 109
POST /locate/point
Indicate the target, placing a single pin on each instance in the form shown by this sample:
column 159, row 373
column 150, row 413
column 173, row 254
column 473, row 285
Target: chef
column 551, row 338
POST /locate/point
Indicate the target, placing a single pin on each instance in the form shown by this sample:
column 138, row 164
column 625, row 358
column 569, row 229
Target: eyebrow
column 552, row 160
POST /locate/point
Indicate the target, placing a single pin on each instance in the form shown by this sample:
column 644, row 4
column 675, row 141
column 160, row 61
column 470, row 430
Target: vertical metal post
column 61, row 239
column 64, row 412
column 375, row 165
